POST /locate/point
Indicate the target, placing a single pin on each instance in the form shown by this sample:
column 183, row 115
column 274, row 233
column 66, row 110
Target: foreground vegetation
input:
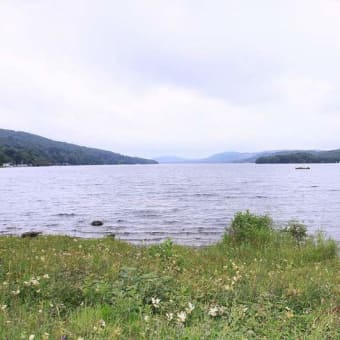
column 255, row 283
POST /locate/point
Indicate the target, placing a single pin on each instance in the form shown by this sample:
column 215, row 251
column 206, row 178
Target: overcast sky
column 191, row 78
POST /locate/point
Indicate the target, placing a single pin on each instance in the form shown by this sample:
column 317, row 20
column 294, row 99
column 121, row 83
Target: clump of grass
column 256, row 283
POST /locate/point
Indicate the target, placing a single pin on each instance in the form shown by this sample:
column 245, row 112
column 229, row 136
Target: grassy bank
column 255, row 283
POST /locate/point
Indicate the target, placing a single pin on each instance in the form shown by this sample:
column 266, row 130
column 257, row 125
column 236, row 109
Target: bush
column 297, row 230
column 250, row 227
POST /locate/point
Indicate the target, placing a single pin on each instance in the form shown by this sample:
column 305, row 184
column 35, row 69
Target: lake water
column 191, row 204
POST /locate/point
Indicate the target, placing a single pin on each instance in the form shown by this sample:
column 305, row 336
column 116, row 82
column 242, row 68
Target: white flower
column 190, row 308
column 31, row 337
column 34, row 281
column 216, row 311
column 213, row 311
column 181, row 316
column 146, row 318
column 15, row 292
column 46, row 276
column 155, row 302
column 3, row 307
column 169, row 316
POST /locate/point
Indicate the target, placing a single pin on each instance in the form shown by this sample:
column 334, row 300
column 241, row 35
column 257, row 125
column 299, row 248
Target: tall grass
column 256, row 283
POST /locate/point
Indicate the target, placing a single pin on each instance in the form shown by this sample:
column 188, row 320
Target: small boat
column 302, row 168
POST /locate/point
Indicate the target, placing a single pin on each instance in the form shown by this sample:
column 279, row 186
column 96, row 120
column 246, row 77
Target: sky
column 181, row 77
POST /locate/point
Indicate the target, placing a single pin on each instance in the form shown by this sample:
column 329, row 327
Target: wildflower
column 216, row 311
column 15, row 292
column 46, row 335
column 80, row 338
column 190, row 308
column 289, row 314
column 5, row 283
column 102, row 323
column 31, row 337
column 3, row 307
column 46, row 276
column 169, row 316
column 213, row 311
column 181, row 317
column 155, row 302
column 146, row 318
column 32, row 282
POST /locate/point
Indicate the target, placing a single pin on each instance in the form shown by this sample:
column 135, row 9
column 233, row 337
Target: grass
column 269, row 285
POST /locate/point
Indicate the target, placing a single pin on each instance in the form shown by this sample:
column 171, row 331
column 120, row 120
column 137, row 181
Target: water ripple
column 191, row 204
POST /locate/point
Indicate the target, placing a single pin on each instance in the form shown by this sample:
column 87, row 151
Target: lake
column 190, row 203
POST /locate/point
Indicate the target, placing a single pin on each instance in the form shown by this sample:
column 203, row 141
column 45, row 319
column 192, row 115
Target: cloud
column 156, row 77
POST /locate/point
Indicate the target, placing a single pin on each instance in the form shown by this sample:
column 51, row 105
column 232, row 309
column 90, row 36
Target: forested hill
column 332, row 156
column 22, row 147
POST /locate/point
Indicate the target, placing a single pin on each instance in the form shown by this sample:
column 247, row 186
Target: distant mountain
column 171, row 159
column 21, row 147
column 224, row 157
column 231, row 157
column 309, row 156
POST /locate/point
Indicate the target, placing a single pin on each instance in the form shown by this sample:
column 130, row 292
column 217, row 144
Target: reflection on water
column 192, row 204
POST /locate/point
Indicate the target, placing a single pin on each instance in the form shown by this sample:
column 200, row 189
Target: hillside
column 21, row 147
column 332, row 156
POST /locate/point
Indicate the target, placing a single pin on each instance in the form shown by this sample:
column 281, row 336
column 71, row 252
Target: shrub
column 297, row 230
column 248, row 227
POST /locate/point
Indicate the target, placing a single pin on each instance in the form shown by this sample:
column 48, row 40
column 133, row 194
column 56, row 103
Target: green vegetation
column 256, row 283
column 332, row 156
column 22, row 147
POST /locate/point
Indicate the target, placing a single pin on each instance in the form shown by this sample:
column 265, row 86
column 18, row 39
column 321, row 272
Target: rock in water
column 97, row 223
